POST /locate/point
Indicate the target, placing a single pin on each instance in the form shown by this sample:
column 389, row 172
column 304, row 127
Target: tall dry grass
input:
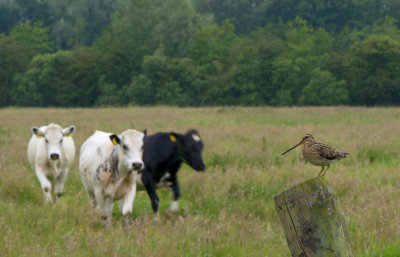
column 226, row 211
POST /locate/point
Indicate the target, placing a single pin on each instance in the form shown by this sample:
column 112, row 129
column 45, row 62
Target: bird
column 318, row 154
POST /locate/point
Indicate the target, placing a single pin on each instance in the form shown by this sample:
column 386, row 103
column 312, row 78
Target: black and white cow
column 162, row 156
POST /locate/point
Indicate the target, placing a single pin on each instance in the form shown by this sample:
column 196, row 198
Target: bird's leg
column 321, row 171
column 326, row 170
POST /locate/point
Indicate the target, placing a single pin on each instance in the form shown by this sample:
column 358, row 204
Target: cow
column 108, row 166
column 51, row 151
column 162, row 156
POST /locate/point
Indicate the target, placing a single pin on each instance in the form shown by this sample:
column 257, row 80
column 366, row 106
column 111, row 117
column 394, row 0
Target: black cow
column 162, row 156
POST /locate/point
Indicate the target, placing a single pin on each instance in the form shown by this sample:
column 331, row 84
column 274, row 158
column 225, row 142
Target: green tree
column 187, row 73
column 21, row 11
column 214, row 54
column 332, row 15
column 139, row 28
column 171, row 79
column 245, row 15
column 64, row 78
column 213, row 43
column 171, row 93
column 109, row 95
column 373, row 72
column 33, row 36
column 386, row 26
column 307, row 49
column 176, row 27
column 13, row 60
column 253, row 77
column 8, row 16
column 324, row 89
column 79, row 22
column 140, row 91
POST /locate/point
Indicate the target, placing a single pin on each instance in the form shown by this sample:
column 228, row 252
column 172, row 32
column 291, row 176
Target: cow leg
column 93, row 202
column 105, row 206
column 90, row 194
column 59, row 184
column 45, row 184
column 174, row 206
column 99, row 198
column 109, row 204
column 150, row 186
column 101, row 203
column 126, row 203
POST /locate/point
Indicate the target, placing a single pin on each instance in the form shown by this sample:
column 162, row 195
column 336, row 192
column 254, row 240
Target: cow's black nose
column 54, row 156
column 201, row 167
column 137, row 165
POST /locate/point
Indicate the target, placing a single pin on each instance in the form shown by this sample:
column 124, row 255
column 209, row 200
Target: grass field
column 226, row 211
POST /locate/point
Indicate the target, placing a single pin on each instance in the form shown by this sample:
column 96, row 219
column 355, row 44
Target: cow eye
column 125, row 147
column 47, row 141
column 61, row 141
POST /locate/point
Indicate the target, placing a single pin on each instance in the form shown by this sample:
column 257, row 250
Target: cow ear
column 115, row 139
column 36, row 131
column 67, row 132
column 174, row 137
column 145, row 132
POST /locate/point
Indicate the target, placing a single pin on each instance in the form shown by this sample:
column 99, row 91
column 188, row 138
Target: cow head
column 190, row 146
column 53, row 136
column 130, row 149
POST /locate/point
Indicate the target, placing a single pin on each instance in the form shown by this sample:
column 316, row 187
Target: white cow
column 51, row 151
column 108, row 168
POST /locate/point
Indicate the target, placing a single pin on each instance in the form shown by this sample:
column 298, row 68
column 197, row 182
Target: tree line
column 199, row 53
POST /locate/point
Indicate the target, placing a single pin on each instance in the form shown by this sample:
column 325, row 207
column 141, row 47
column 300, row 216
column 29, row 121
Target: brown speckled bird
column 318, row 154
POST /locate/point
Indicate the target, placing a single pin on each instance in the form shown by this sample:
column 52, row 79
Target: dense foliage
column 199, row 52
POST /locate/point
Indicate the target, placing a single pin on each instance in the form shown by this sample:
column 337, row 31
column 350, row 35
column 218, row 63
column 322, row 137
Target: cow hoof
column 127, row 220
column 157, row 217
column 48, row 201
column 126, row 223
column 108, row 226
column 174, row 207
column 58, row 196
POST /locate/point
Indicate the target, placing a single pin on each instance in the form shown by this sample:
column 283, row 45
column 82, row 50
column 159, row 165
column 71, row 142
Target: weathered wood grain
column 313, row 221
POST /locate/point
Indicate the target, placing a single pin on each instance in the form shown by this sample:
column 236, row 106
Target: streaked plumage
column 318, row 154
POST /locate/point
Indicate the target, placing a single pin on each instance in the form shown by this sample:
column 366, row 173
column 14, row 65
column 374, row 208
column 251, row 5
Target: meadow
column 227, row 210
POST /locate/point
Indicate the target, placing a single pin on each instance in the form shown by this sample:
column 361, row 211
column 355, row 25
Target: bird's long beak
column 292, row 147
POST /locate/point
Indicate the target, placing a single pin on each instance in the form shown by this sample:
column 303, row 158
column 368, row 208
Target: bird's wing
column 326, row 151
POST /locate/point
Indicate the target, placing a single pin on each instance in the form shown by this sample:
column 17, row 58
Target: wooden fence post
column 313, row 221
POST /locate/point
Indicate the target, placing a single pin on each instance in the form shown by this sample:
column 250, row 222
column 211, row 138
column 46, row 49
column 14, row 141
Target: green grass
column 226, row 211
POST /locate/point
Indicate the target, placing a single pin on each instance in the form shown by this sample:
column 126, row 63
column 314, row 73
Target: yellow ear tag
column 172, row 137
column 70, row 135
column 114, row 141
column 37, row 136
